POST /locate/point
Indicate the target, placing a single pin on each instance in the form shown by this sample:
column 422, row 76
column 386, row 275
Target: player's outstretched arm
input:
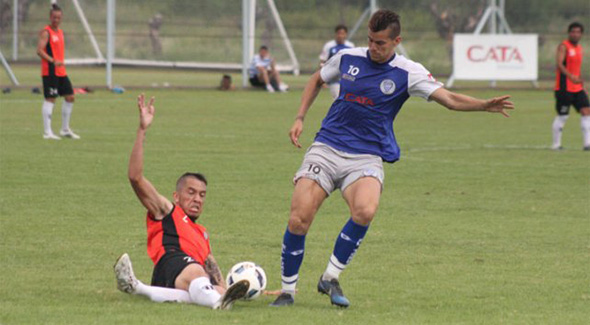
column 464, row 103
column 311, row 91
column 212, row 269
column 157, row 205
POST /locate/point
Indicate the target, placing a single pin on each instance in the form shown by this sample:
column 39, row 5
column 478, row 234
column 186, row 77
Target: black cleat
column 235, row 292
column 587, row 148
column 332, row 289
column 284, row 299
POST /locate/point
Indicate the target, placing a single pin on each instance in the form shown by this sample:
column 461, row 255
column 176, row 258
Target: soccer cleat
column 236, row 291
column 126, row 280
column 69, row 134
column 332, row 288
column 557, row 148
column 283, row 87
column 50, row 136
column 284, row 299
column 587, row 148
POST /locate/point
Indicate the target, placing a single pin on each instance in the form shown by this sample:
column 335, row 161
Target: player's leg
column 362, row 198
column 562, row 104
column 128, row 283
column 194, row 279
column 582, row 104
column 66, row 90
column 50, row 92
column 307, row 198
column 275, row 76
column 264, row 77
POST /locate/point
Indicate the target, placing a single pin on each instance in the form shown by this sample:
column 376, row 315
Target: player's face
column 341, row 36
column 55, row 18
column 191, row 197
column 575, row 35
column 381, row 45
column 263, row 53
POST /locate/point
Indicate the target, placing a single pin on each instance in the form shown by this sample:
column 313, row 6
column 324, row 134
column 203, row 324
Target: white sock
column 333, row 270
column 160, row 294
column 558, row 124
column 288, row 284
column 46, row 111
column 66, row 113
column 585, row 122
column 203, row 293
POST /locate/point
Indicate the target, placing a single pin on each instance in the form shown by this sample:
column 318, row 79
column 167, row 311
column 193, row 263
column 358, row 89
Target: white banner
column 495, row 57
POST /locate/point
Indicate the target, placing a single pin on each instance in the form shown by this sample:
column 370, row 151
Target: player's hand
column 58, row 63
column 576, row 79
column 295, row 132
column 499, row 105
column 146, row 111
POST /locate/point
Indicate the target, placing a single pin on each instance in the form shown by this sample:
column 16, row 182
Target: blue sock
column 291, row 259
column 347, row 243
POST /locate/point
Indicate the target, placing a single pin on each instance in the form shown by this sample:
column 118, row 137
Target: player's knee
column 70, row 99
column 188, row 274
column 298, row 224
column 363, row 215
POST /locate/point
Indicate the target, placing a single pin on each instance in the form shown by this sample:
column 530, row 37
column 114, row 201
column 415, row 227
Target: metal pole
column 275, row 13
column 88, row 30
column 251, row 28
column 245, row 42
column 15, row 30
column 110, row 41
column 8, row 70
column 373, row 6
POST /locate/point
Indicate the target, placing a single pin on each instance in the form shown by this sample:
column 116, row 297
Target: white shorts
column 334, row 169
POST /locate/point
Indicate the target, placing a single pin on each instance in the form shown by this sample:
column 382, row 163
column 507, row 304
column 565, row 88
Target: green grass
column 479, row 222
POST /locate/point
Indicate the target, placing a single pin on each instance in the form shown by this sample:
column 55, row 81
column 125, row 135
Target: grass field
column 479, row 223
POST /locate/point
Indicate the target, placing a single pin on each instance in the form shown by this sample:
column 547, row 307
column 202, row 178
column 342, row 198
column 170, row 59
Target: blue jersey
column 360, row 121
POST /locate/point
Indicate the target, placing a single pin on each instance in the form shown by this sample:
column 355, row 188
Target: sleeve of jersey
column 324, row 54
column 421, row 83
column 331, row 70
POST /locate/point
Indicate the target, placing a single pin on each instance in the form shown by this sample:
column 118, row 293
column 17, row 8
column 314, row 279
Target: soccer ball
column 251, row 272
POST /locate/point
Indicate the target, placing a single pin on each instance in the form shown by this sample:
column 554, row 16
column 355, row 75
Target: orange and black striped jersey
column 55, row 48
column 573, row 64
column 177, row 232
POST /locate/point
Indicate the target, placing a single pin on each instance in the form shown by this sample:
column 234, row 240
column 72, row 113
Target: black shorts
column 564, row 99
column 169, row 267
column 255, row 82
column 57, row 86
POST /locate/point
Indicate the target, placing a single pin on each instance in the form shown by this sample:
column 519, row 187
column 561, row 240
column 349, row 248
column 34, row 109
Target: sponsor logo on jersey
column 359, row 99
column 54, row 38
column 387, row 86
column 572, row 52
column 348, row 77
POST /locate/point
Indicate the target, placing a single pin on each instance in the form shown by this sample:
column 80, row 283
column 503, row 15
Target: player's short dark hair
column 54, row 7
column 340, row 27
column 575, row 24
column 263, row 47
column 226, row 76
column 383, row 19
column 186, row 175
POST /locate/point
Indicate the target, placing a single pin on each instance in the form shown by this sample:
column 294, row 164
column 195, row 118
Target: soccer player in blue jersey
column 330, row 49
column 354, row 139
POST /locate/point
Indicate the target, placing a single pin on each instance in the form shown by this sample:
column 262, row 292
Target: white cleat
column 126, row 280
column 269, row 88
column 237, row 291
column 69, row 134
column 283, row 87
column 50, row 136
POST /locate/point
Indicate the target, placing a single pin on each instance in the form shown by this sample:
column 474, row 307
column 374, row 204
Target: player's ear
column 397, row 40
column 175, row 196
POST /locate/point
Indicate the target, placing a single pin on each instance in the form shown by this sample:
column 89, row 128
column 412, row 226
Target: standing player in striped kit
column 355, row 138
column 569, row 86
column 51, row 50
